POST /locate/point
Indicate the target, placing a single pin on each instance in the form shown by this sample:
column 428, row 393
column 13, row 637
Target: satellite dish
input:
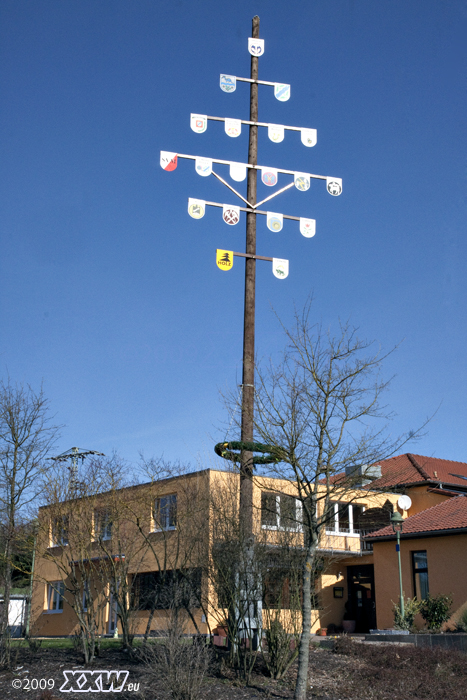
column 404, row 502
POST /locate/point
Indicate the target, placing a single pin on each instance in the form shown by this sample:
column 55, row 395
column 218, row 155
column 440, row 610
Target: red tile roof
column 448, row 515
column 409, row 469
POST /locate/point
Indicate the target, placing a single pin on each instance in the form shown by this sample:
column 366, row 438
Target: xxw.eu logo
column 96, row 681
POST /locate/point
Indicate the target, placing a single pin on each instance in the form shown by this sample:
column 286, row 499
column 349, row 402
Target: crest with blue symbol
column 228, row 83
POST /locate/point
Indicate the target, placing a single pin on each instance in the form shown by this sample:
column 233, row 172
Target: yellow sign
column 224, row 259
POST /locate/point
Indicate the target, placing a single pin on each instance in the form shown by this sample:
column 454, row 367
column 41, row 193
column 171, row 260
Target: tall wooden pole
column 248, row 375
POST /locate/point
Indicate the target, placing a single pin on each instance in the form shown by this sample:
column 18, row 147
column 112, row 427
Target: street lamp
column 397, row 522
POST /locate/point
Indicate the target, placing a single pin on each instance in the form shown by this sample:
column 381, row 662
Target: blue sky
column 110, row 294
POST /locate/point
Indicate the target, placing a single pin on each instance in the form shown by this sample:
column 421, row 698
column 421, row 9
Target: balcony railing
column 346, row 540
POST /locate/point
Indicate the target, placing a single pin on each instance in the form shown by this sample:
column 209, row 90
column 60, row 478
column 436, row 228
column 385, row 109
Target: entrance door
column 361, row 583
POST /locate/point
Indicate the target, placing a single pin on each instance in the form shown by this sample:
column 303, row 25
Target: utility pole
column 73, row 455
column 248, row 374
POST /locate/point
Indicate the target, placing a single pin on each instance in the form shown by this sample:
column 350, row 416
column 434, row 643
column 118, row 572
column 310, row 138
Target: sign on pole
column 256, row 46
column 280, row 268
column 224, row 259
column 168, row 160
column 196, row 208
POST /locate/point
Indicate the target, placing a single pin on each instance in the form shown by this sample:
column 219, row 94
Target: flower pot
column 322, row 632
column 348, row 625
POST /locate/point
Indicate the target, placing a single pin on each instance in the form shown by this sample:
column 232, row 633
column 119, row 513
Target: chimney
column 363, row 474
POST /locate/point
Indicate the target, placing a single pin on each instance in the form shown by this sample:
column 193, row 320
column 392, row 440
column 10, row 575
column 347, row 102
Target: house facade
column 131, row 554
column 433, row 543
column 144, row 547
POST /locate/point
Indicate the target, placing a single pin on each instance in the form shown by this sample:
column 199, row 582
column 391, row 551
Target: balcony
column 345, row 540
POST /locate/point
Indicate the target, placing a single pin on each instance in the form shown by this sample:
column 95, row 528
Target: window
column 280, row 511
column 268, row 509
column 420, row 574
column 225, row 587
column 55, row 591
column 165, row 513
column 282, row 589
column 60, row 531
column 162, row 590
column 102, row 525
column 85, row 596
column 357, row 513
column 344, row 518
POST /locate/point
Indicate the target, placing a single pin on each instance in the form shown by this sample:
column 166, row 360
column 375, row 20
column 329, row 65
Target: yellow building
column 153, row 543
column 433, row 543
column 160, row 539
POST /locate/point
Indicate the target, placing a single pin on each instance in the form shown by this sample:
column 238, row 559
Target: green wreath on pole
column 226, row 450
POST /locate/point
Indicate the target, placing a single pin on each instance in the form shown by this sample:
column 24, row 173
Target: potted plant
column 348, row 622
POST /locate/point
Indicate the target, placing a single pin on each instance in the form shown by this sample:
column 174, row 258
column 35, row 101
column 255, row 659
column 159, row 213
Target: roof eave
column 418, row 535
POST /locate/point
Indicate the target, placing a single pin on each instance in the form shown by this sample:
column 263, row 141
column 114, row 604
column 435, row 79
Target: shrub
column 180, row 662
column 461, row 624
column 411, row 608
column 282, row 649
column 34, row 644
column 346, row 646
column 436, row 610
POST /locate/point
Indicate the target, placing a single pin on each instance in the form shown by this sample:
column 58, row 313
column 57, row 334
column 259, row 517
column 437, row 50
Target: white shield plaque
column 196, row 208
column 276, row 132
column 309, row 137
column 233, row 127
column 203, row 166
column 334, row 185
column 282, row 92
column 237, row 171
column 256, row 46
column 280, row 268
column 168, row 160
column 269, row 176
column 302, row 181
column 307, row 227
column 274, row 221
column 199, row 123
column 230, row 214
column 228, row 83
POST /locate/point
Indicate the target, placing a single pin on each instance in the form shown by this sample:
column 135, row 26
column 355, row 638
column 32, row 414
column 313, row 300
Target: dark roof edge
column 418, row 535
column 417, row 466
column 146, row 483
column 432, row 483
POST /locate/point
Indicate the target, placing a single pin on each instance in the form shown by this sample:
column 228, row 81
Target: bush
column 180, row 662
column 436, row 610
column 411, row 608
column 346, row 646
column 461, row 624
column 34, row 644
column 282, row 649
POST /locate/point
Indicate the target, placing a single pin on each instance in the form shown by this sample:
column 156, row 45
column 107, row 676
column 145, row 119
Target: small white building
column 17, row 614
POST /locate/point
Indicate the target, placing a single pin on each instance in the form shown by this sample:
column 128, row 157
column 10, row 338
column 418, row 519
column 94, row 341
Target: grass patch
column 67, row 643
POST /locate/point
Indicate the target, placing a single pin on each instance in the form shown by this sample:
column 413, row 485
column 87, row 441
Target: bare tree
column 320, row 410
column 119, row 549
column 234, row 591
column 27, row 434
column 70, row 527
column 176, row 539
column 253, row 580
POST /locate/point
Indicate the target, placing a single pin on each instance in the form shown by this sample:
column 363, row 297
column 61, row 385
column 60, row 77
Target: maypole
column 243, row 451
